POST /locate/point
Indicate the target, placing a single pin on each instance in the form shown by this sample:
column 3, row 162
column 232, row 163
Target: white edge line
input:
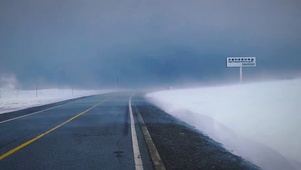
column 157, row 162
column 47, row 132
column 137, row 156
column 15, row 118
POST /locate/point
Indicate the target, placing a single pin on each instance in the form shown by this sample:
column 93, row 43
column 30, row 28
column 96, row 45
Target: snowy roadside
column 258, row 121
column 12, row 100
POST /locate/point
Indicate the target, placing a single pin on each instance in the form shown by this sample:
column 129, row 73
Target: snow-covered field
column 258, row 121
column 11, row 100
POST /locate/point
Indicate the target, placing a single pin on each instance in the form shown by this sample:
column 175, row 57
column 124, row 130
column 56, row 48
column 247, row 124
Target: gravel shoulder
column 181, row 146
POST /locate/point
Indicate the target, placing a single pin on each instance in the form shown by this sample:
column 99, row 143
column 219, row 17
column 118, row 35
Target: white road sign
column 241, row 61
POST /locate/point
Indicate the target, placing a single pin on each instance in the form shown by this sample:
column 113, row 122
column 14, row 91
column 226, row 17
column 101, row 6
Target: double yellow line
column 49, row 131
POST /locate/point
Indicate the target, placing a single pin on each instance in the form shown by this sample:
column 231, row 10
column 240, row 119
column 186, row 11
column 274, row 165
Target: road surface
column 107, row 132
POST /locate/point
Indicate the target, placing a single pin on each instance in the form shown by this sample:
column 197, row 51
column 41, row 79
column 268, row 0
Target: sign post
column 240, row 74
column 241, row 62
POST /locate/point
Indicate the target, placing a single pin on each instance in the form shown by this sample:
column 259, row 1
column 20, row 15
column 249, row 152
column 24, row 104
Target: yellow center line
column 49, row 131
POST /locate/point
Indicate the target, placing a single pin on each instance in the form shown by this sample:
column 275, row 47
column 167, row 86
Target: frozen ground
column 258, row 121
column 12, row 100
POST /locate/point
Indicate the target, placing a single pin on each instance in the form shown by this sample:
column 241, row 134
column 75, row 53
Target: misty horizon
column 137, row 44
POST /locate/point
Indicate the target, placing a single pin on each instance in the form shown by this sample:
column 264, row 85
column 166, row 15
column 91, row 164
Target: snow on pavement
column 12, row 100
column 258, row 121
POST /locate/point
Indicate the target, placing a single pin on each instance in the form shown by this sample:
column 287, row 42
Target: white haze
column 8, row 81
column 258, row 121
column 12, row 100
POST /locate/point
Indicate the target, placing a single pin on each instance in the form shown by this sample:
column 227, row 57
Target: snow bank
column 258, row 121
column 12, row 100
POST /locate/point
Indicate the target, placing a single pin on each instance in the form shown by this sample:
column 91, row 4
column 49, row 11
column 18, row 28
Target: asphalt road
column 99, row 138
column 103, row 132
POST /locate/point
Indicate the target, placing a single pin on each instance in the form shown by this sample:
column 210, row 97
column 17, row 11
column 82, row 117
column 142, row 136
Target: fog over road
column 98, row 138
column 97, row 133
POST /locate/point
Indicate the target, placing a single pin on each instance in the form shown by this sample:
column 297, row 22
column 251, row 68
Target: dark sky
column 93, row 43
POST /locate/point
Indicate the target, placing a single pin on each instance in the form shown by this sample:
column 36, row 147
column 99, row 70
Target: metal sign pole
column 36, row 90
column 241, row 62
column 240, row 74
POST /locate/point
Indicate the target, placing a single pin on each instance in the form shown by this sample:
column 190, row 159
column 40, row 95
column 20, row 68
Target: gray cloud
column 141, row 42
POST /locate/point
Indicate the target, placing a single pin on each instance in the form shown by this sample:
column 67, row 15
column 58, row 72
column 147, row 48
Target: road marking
column 137, row 156
column 49, row 131
column 15, row 118
column 158, row 164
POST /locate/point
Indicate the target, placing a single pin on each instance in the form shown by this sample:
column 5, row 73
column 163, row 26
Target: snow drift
column 12, row 100
column 258, row 121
